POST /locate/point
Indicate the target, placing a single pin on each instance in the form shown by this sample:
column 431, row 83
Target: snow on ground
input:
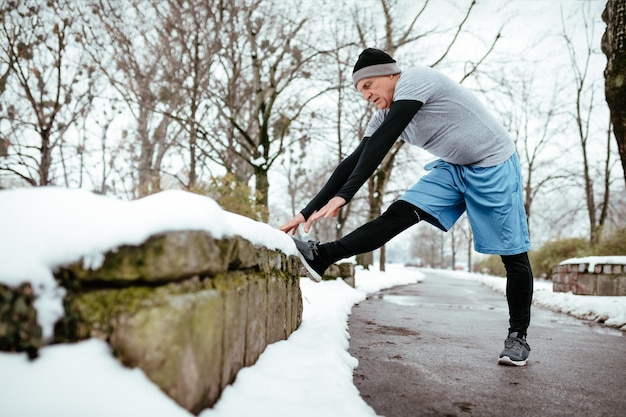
column 309, row 374
column 608, row 310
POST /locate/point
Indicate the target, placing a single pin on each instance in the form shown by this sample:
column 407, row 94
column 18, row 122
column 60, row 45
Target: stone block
column 296, row 305
column 270, row 261
column 556, row 279
column 177, row 342
column 585, row 285
column 606, row 285
column 234, row 293
column 240, row 253
column 256, row 322
column 161, row 258
column 277, row 310
column 621, row 286
column 344, row 270
column 564, row 282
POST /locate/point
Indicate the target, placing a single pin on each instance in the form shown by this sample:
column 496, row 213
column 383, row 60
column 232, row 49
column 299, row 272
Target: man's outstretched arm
column 372, row 152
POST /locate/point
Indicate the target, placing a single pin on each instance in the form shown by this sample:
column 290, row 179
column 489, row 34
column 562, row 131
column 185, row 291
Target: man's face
column 378, row 90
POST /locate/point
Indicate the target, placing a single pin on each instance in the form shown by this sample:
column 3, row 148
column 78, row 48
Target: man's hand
column 331, row 209
column 292, row 224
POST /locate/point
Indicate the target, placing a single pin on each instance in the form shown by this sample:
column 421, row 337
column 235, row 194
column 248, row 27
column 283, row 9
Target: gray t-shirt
column 452, row 123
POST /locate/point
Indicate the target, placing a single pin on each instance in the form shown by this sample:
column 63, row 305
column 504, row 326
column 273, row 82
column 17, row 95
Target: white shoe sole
column 310, row 272
column 505, row 360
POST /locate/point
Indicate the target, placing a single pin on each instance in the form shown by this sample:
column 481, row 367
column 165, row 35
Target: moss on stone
column 94, row 313
column 19, row 330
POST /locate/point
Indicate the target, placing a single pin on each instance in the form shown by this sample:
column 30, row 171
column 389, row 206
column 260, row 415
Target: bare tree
column 47, row 86
column 428, row 247
column 140, row 50
column 108, row 154
column 614, row 47
column 262, row 87
column 583, row 109
column 464, row 239
column 191, row 28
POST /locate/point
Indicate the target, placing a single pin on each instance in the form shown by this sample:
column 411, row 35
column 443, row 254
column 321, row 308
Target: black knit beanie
column 373, row 63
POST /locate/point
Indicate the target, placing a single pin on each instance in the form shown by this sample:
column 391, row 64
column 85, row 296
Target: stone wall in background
column 344, row 270
column 586, row 279
column 187, row 309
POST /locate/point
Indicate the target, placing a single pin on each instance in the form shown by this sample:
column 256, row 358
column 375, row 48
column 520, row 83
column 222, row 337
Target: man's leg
column 399, row 216
column 372, row 235
column 519, row 293
column 495, row 208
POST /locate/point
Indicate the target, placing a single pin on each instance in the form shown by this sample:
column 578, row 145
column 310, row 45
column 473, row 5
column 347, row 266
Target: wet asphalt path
column 431, row 349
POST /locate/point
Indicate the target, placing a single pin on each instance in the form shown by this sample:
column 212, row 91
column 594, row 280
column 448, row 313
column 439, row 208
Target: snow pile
column 47, row 227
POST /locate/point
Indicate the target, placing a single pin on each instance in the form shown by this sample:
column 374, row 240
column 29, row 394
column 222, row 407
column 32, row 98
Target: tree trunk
column 262, row 186
column 453, row 248
column 614, row 47
column 470, row 267
column 145, row 157
column 46, row 157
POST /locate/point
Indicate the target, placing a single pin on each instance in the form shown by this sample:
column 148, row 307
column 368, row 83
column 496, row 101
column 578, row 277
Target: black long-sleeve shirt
column 353, row 171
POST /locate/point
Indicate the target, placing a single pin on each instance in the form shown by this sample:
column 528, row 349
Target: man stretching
column 477, row 171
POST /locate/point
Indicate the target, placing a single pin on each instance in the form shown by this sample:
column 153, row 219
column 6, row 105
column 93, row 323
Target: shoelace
column 516, row 343
column 313, row 247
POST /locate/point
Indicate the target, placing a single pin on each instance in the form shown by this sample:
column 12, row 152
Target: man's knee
column 517, row 264
column 401, row 209
column 520, row 259
column 404, row 210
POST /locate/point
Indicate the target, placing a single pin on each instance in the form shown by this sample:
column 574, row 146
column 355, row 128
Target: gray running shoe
column 314, row 267
column 515, row 351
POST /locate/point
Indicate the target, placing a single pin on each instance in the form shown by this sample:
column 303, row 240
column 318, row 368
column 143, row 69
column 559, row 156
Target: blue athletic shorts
column 492, row 197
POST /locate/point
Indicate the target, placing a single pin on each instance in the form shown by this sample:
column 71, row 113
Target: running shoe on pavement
column 516, row 351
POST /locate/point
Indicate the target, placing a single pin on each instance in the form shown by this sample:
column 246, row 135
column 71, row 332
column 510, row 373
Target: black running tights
column 372, row 235
column 519, row 291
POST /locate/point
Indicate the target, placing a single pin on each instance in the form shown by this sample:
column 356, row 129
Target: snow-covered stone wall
column 591, row 276
column 187, row 309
